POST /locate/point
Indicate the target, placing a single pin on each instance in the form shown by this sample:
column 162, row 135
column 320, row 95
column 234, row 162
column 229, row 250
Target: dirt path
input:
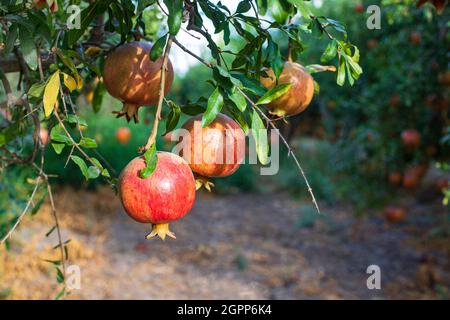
column 243, row 246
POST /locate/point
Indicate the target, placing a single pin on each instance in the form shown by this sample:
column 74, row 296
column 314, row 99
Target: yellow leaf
column 92, row 51
column 79, row 81
column 69, row 82
column 51, row 93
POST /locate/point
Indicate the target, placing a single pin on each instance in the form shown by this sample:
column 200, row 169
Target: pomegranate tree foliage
column 56, row 64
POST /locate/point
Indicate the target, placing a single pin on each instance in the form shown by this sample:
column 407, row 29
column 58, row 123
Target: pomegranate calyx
column 129, row 110
column 201, row 181
column 161, row 230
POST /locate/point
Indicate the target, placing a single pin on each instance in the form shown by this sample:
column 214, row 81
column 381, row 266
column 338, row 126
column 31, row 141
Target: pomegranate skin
column 130, row 76
column 213, row 152
column 299, row 96
column 167, row 195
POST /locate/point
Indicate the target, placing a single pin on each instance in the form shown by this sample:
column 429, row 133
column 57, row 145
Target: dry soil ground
column 241, row 246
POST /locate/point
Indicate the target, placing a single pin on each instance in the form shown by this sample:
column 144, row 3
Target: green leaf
column 58, row 147
column 158, row 48
column 74, row 119
column 93, row 172
column 28, row 47
column 175, row 8
column 59, row 135
column 37, row 90
column 97, row 99
column 238, row 99
column 274, row 57
column 341, row 72
column 86, row 142
column 262, row 6
column 215, row 104
column 87, row 15
column 250, row 85
column 259, row 132
column 82, row 165
column 330, row 51
column 274, row 93
column 243, row 6
column 173, row 117
column 151, row 161
column 59, row 276
column 60, row 294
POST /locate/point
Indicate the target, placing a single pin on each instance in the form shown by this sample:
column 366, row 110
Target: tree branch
column 152, row 138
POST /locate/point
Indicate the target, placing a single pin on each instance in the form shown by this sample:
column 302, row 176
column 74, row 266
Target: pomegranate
column 130, row 76
column 359, row 7
column 52, row 4
column 394, row 100
column 123, row 135
column 414, row 174
column 216, row 150
column 372, row 44
column 394, row 214
column 299, row 96
column 411, row 138
column 395, row 178
column 167, row 195
column 444, row 78
column 415, row 38
column 43, row 135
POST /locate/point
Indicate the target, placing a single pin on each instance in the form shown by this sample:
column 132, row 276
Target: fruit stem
column 161, row 230
column 152, row 138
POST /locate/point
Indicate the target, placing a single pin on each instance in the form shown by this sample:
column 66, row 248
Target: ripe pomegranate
column 372, row 44
column 395, row 178
column 216, row 150
column 123, row 135
column 130, row 76
column 394, row 214
column 414, row 174
column 299, row 96
column 167, row 195
column 415, row 38
column 411, row 138
column 43, row 135
column 359, row 7
column 444, row 78
column 394, row 100
column 52, row 4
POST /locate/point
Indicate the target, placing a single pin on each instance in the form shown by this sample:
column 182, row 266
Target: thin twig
column 290, row 150
column 182, row 47
column 25, row 210
column 152, row 138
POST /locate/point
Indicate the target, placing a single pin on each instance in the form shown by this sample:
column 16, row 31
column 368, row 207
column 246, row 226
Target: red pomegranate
column 394, row 100
column 359, row 7
column 394, row 214
column 43, row 135
column 216, row 150
column 167, row 195
column 123, row 135
column 299, row 96
column 395, row 178
column 411, row 138
column 415, row 38
column 130, row 76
